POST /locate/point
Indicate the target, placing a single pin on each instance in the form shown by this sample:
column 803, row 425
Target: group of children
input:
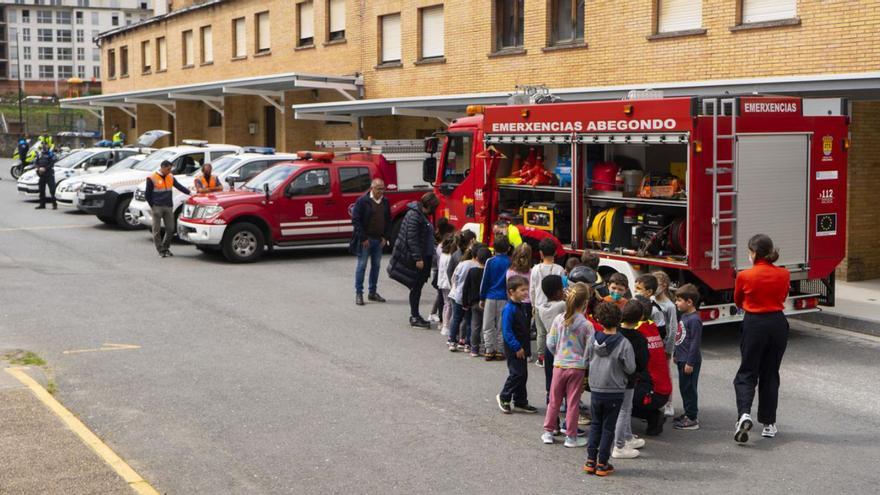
column 591, row 335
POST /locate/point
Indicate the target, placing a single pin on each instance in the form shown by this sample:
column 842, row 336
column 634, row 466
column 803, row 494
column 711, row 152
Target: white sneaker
column 547, row 437
column 635, row 443
column 770, row 431
column 669, row 410
column 433, row 318
column 624, row 453
column 575, row 442
column 742, row 428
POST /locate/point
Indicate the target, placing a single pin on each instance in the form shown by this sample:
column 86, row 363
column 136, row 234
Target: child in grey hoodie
column 611, row 359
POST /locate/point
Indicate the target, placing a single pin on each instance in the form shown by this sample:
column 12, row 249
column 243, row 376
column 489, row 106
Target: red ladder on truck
column 723, row 220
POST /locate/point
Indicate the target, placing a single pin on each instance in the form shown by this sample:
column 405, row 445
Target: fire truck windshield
column 457, row 162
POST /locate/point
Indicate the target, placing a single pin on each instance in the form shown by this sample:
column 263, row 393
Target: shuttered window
column 188, row 50
column 263, row 33
column 239, row 39
column 306, row 20
column 390, row 38
column 679, row 15
column 146, row 57
column 432, row 32
column 207, row 45
column 161, row 54
column 337, row 19
column 768, row 10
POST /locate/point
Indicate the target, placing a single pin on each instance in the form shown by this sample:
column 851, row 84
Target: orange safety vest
column 162, row 183
column 205, row 184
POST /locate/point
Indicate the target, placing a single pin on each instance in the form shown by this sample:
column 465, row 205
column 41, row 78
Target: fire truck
column 650, row 183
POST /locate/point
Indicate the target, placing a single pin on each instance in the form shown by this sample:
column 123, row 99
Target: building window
column 80, row 36
column 263, row 34
column 28, row 72
column 509, row 24
column 80, row 53
column 188, row 55
column 96, row 72
column 768, row 10
column 432, row 38
column 146, row 57
column 207, row 49
column 161, row 54
column 26, row 53
column 65, row 71
column 215, row 119
column 44, row 35
column 114, row 19
column 44, row 17
column 79, row 18
column 336, row 22
column 45, row 53
column 25, row 34
column 305, row 14
column 63, row 35
column 123, row 61
column 96, row 55
column 81, row 71
column 95, row 18
column 62, row 17
column 111, row 63
column 567, row 22
column 390, row 36
column 12, row 17
column 47, row 72
column 679, row 15
column 13, row 71
column 26, row 17
column 239, row 38
column 65, row 54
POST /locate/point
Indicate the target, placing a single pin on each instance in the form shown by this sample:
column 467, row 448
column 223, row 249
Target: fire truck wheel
column 243, row 243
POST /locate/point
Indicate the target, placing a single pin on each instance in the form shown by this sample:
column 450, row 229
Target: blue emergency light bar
column 262, row 150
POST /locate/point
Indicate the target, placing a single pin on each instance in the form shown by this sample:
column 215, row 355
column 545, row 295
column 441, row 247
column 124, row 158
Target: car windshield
column 151, row 162
column 72, row 159
column 273, row 176
column 221, row 165
column 125, row 163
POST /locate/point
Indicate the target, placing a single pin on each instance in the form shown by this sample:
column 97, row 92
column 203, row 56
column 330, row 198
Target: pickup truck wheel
column 124, row 218
column 243, row 243
column 107, row 220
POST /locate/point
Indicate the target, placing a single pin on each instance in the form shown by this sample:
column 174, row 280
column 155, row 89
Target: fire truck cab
column 673, row 184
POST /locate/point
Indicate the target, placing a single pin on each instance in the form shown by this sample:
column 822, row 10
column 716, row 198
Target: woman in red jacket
column 761, row 292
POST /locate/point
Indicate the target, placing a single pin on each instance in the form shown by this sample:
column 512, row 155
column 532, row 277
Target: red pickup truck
column 303, row 202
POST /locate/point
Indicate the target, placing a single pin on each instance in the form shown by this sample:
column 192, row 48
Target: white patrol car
column 78, row 162
column 65, row 194
column 231, row 171
column 108, row 196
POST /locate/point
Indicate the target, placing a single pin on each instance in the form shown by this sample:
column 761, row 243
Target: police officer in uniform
column 207, row 183
column 45, row 164
column 118, row 137
column 160, row 188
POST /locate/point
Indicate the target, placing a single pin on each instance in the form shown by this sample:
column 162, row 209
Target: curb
column 836, row 320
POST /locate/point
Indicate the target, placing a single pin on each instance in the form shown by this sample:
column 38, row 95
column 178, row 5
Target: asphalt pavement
column 266, row 378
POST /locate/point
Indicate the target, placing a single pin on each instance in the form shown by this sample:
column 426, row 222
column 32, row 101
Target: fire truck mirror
column 429, row 170
column 431, row 145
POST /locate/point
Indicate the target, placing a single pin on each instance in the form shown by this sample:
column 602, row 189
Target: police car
column 76, row 163
column 109, row 196
column 65, row 194
column 231, row 171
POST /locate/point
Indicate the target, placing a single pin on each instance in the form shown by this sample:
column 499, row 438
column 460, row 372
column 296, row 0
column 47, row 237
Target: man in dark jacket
column 45, row 164
column 371, row 218
column 413, row 251
column 160, row 188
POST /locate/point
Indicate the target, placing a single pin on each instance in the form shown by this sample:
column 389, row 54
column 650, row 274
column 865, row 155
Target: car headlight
column 100, row 188
column 207, row 211
column 76, row 187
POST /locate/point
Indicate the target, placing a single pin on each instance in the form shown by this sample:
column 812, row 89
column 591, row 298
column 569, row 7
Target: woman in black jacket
column 413, row 251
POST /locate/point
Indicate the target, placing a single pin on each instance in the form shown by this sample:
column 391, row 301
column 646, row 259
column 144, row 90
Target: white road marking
column 46, row 227
column 105, row 347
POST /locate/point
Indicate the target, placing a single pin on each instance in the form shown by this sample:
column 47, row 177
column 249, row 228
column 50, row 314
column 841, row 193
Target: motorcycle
column 19, row 169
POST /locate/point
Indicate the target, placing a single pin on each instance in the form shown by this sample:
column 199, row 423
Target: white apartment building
column 54, row 38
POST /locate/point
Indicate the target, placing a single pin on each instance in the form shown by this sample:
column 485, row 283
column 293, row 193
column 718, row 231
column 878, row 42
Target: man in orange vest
column 207, row 183
column 159, row 193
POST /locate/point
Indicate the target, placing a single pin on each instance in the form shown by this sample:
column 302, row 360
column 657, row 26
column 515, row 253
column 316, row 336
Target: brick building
column 284, row 73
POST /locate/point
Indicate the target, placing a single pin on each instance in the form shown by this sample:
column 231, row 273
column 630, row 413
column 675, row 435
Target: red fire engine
column 676, row 184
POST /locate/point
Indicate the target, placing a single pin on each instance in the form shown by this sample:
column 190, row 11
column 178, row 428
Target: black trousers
column 415, row 292
column 517, row 375
column 47, row 179
column 649, row 406
column 764, row 339
column 604, row 414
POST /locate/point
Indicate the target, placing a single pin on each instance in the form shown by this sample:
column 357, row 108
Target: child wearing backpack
column 493, row 298
column 546, row 267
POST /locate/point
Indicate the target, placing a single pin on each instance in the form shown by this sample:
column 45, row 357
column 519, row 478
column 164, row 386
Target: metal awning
column 865, row 85
column 270, row 88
